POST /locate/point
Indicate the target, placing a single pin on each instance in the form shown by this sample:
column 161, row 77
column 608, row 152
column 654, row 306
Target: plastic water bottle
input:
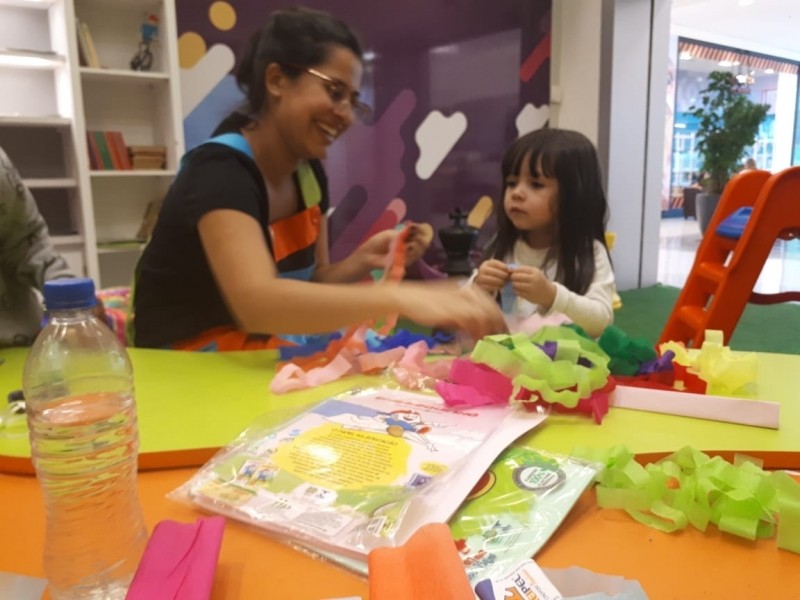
column 78, row 385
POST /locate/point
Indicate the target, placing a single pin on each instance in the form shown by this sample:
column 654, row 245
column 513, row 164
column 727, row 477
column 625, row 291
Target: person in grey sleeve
column 27, row 259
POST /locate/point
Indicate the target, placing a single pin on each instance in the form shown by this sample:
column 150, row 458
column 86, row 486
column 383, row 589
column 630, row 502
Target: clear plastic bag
column 358, row 471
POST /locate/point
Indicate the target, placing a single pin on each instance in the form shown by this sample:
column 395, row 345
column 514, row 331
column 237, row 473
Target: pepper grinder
column 458, row 242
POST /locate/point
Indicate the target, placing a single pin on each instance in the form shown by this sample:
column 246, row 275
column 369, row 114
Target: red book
column 119, row 144
column 95, row 160
column 116, row 163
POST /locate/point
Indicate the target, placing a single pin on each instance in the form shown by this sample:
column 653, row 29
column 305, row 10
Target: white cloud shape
column 531, row 118
column 435, row 137
column 197, row 82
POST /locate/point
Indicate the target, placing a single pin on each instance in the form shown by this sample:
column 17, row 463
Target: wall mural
column 451, row 82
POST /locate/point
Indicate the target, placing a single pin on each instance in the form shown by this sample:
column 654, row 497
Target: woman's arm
column 260, row 302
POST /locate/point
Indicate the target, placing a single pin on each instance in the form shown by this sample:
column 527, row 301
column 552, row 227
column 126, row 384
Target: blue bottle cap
column 65, row 294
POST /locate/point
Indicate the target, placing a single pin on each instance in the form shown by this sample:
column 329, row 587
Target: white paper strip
column 759, row 413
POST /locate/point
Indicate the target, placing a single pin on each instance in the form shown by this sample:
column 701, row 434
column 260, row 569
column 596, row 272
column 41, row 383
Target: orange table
column 682, row 566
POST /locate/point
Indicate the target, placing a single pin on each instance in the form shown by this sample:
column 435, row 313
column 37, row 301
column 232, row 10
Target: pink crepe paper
column 179, row 561
column 477, row 385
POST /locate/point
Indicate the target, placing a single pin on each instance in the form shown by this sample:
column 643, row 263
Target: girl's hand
column 532, row 285
column 492, row 275
column 449, row 306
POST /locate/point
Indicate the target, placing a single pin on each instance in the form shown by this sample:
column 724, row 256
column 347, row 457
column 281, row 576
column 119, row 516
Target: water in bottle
column 79, row 393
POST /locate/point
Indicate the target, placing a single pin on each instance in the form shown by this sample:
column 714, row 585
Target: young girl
column 550, row 246
column 240, row 251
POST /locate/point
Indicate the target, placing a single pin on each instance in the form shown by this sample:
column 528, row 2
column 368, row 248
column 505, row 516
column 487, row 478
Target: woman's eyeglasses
column 339, row 92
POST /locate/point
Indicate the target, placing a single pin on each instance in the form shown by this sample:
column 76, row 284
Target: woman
column 240, row 248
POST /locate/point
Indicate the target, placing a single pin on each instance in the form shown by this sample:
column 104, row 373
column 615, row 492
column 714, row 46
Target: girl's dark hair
column 582, row 210
column 296, row 36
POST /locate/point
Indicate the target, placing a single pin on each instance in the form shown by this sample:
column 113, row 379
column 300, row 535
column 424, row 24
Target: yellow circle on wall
column 191, row 48
column 222, row 15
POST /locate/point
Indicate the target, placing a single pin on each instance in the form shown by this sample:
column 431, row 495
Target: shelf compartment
column 34, row 92
column 59, row 210
column 115, row 29
column 120, row 206
column 40, row 155
column 141, row 113
column 21, row 27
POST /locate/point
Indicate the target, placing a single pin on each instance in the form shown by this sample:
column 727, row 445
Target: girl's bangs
column 537, row 148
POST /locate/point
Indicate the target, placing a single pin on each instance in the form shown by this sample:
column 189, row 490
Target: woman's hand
column 449, row 306
column 374, row 251
column 492, row 275
column 532, row 285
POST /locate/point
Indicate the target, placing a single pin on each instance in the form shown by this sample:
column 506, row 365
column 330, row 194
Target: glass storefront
column 765, row 79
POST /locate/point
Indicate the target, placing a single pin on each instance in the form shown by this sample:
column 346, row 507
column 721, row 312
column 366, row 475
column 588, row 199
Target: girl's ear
column 275, row 80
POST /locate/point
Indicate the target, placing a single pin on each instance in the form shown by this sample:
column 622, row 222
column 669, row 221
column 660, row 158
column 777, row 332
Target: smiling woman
column 241, row 241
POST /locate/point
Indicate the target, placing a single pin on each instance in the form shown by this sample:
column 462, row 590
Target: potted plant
column 729, row 123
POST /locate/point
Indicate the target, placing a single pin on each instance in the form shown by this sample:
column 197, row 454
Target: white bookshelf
column 38, row 127
column 143, row 106
column 56, row 101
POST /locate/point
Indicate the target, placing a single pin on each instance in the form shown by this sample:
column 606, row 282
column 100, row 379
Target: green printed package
column 515, row 508
column 510, row 513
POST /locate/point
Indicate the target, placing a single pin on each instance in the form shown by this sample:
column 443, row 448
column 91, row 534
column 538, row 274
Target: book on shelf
column 148, row 157
column 149, row 220
column 107, row 151
column 87, row 52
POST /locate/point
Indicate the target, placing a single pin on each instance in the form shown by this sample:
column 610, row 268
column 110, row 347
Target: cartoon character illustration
column 404, row 423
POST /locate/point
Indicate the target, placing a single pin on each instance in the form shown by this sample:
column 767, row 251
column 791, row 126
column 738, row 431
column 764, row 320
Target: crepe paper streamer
column 576, row 368
column 377, row 361
column 290, row 377
column 179, row 561
column 627, row 354
column 744, row 411
column 404, row 338
column 414, row 372
column 426, row 567
column 596, row 405
column 723, row 371
column 308, row 348
column 476, row 385
column 691, row 488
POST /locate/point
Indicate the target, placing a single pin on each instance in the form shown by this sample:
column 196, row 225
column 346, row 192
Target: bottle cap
column 65, row 294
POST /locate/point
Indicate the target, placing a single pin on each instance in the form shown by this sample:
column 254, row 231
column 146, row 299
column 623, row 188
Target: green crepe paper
column 691, row 488
column 562, row 380
column 627, row 354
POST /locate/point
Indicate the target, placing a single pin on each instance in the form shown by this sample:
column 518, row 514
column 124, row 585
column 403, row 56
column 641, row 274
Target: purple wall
column 485, row 60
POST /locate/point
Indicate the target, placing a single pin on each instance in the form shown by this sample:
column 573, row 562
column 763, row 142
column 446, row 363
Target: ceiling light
column 769, row 71
column 726, row 63
column 685, row 55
